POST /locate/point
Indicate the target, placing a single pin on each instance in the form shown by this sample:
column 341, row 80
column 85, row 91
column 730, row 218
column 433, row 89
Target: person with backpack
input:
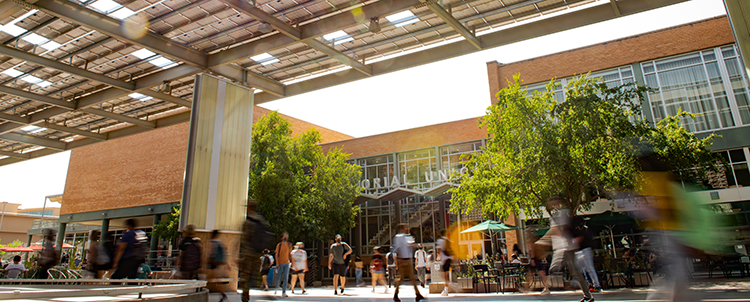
column 420, row 264
column 392, row 268
column 377, row 269
column 190, row 257
column 129, row 252
column 97, row 256
column 445, row 256
column 266, row 261
column 217, row 261
column 255, row 238
column 337, row 264
column 48, row 256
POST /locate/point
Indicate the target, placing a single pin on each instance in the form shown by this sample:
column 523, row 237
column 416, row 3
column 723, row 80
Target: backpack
column 191, row 256
column 377, row 264
column 140, row 245
column 260, row 237
column 390, row 259
column 218, row 256
column 266, row 263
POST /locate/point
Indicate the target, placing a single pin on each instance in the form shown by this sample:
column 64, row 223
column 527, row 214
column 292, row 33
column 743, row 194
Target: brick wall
column 142, row 169
column 422, row 137
column 648, row 46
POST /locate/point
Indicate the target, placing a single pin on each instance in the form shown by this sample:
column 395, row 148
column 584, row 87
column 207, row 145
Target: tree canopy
column 578, row 148
column 300, row 189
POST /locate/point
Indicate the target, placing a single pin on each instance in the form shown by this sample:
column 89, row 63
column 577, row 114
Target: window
column 612, row 77
column 418, row 167
column 737, row 174
column 378, row 171
column 453, row 157
column 698, row 82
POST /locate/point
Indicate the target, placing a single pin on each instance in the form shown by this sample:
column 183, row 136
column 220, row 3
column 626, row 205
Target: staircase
column 383, row 235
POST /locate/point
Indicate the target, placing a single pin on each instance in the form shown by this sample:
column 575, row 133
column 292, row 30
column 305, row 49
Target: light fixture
column 161, row 62
column 374, row 25
column 265, row 28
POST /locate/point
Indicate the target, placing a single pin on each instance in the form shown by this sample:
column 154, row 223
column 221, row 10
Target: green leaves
column 167, row 229
column 577, row 148
column 299, row 189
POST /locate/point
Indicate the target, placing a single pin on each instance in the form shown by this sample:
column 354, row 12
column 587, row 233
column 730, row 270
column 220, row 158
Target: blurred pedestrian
column 283, row 253
column 337, row 264
column 98, row 260
column 446, row 256
column 190, row 256
column 265, row 267
column 392, row 268
column 299, row 265
column 144, row 271
column 537, row 253
column 562, row 243
column 585, row 254
column 48, row 256
column 404, row 247
column 420, row 264
column 377, row 269
column 254, row 239
column 217, row 264
column 358, row 266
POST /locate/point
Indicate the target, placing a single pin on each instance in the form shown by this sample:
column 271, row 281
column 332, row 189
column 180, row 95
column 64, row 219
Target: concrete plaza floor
column 720, row 290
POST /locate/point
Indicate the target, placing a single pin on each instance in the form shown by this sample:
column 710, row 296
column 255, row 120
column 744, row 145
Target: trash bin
column 270, row 276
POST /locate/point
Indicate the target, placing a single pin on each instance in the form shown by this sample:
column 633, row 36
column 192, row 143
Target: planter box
column 641, row 279
column 555, row 281
column 465, row 283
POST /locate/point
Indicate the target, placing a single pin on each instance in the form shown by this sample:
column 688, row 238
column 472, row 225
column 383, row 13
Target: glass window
column 737, row 173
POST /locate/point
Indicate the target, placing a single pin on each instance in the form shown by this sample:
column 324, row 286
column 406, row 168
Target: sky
column 440, row 92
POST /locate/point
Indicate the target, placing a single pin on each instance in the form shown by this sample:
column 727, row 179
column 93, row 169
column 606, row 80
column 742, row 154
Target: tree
column 167, row 229
column 578, row 148
column 15, row 243
column 299, row 189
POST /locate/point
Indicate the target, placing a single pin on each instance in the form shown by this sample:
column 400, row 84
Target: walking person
column 445, row 257
column 358, row 266
column 217, row 261
column 254, row 238
column 392, row 268
column 420, row 257
column 585, row 254
column 48, row 256
column 377, row 269
column 537, row 252
column 190, row 255
column 97, row 257
column 299, row 265
column 403, row 244
column 337, row 264
column 265, row 267
column 283, row 253
column 129, row 253
column 563, row 245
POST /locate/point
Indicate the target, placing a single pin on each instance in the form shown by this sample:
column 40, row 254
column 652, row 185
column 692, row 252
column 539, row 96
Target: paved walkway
column 709, row 291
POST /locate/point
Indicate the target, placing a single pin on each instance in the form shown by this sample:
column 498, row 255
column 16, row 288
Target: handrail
column 110, row 287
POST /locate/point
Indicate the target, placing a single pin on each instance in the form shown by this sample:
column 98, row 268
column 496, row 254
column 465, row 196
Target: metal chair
column 481, row 272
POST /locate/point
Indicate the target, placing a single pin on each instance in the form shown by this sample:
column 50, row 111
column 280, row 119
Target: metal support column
column 60, row 238
column 154, row 242
column 105, row 228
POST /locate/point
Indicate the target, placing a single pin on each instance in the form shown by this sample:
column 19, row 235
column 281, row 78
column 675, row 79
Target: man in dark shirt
column 125, row 262
column 585, row 252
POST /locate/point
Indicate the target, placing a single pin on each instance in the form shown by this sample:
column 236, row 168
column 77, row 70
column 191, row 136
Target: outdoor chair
column 481, row 274
column 13, row 273
column 508, row 274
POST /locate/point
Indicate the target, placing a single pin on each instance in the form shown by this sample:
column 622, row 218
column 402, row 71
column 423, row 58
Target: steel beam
column 504, row 37
column 74, row 13
column 34, row 140
column 119, row 117
column 12, row 52
column 37, row 97
column 114, row 134
column 311, row 31
column 296, row 35
column 15, row 155
column 166, row 97
column 455, row 24
column 75, row 131
column 15, row 118
column 253, row 79
column 8, row 8
column 615, row 8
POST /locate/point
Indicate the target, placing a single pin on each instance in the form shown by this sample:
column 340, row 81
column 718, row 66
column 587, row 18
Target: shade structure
column 17, row 249
column 492, row 227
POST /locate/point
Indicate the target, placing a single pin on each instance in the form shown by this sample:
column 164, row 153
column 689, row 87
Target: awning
column 439, row 190
column 398, row 194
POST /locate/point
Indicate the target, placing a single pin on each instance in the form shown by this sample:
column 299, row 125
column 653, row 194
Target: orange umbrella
column 18, row 249
column 37, row 247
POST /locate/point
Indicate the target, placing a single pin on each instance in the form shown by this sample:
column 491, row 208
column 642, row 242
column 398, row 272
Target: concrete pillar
column 60, row 237
column 28, row 242
column 154, row 242
column 358, row 235
column 214, row 195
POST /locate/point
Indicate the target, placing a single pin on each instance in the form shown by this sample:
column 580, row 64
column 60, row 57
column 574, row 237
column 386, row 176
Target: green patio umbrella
column 492, row 227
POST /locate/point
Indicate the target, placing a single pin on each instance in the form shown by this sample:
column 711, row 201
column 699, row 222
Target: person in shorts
column 337, row 263
column 299, row 265
column 377, row 269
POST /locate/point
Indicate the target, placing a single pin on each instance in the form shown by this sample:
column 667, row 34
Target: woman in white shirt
column 299, row 265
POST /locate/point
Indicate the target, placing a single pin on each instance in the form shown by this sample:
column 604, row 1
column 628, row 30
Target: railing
column 102, row 287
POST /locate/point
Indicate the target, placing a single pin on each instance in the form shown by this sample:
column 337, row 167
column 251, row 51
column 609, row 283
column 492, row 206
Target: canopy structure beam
column 34, row 140
column 455, row 24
